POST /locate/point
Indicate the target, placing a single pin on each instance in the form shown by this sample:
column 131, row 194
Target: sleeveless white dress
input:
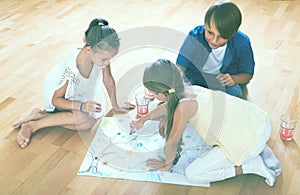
column 79, row 88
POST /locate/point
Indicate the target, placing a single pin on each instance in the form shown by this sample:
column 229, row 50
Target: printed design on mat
column 114, row 153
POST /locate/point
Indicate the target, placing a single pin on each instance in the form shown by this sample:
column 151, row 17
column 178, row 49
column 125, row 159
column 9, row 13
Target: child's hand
column 158, row 164
column 91, row 106
column 225, row 79
column 136, row 124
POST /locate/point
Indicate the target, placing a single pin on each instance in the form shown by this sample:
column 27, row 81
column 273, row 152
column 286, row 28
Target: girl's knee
column 84, row 122
column 85, row 126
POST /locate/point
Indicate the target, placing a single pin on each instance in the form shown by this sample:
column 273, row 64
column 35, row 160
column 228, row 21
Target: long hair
column 165, row 77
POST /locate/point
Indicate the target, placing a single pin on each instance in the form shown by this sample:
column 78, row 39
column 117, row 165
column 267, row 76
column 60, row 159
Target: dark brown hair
column 226, row 17
column 100, row 35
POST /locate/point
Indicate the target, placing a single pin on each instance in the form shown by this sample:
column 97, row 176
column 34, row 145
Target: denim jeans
column 235, row 90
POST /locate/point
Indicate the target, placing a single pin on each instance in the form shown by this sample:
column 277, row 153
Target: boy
column 217, row 55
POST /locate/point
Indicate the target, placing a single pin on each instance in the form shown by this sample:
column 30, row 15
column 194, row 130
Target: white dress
column 79, row 88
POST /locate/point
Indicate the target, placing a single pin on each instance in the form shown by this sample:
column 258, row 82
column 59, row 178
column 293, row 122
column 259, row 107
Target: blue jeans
column 209, row 81
column 235, row 90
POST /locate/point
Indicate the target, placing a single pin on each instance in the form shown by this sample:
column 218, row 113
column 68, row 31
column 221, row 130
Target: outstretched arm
column 159, row 111
column 179, row 123
column 109, row 83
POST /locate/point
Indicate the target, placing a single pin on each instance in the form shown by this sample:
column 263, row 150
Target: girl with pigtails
column 73, row 94
column 234, row 130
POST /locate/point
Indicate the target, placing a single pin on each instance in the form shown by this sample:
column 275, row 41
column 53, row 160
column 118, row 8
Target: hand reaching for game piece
column 90, row 106
column 136, row 124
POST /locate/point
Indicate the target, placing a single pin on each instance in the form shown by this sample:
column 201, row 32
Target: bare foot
column 24, row 135
column 32, row 116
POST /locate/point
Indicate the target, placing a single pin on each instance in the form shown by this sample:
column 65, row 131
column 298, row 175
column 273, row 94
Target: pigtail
column 171, row 107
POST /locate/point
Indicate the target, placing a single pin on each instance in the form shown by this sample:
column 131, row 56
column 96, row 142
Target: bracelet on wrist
column 80, row 108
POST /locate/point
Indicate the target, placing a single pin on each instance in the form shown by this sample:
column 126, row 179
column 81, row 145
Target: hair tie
column 171, row 91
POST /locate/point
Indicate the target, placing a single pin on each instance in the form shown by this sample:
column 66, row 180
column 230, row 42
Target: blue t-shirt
column 195, row 50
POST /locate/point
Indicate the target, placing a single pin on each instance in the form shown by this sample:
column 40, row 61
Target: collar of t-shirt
column 215, row 60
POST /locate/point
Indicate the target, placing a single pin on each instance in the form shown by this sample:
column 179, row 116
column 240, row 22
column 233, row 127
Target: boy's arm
column 241, row 78
column 229, row 80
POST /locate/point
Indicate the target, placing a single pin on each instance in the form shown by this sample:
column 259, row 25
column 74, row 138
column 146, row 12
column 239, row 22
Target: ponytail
column 96, row 22
column 100, row 35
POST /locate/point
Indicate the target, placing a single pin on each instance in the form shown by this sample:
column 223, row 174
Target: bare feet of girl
column 24, row 135
column 32, row 116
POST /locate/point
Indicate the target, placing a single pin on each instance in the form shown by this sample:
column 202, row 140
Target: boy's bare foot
column 32, row 116
column 24, row 135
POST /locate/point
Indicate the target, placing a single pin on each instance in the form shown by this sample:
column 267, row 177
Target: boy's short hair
column 226, row 17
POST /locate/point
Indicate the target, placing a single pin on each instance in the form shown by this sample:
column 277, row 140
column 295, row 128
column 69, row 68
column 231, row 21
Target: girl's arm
column 184, row 111
column 109, row 83
column 60, row 102
column 159, row 111
column 180, row 121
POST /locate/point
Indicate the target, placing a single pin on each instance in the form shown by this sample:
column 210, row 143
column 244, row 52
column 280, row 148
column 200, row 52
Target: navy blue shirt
column 195, row 50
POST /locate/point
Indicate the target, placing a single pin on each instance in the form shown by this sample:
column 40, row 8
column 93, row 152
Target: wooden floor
column 36, row 34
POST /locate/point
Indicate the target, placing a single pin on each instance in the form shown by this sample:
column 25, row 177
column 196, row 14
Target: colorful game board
column 115, row 153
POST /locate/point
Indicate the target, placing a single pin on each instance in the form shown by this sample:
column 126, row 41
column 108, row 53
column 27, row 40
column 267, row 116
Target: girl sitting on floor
column 73, row 95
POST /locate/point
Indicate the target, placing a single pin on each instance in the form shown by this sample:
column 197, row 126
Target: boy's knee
column 234, row 90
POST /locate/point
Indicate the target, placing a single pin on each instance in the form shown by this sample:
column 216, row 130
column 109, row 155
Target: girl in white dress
column 73, row 94
column 235, row 130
